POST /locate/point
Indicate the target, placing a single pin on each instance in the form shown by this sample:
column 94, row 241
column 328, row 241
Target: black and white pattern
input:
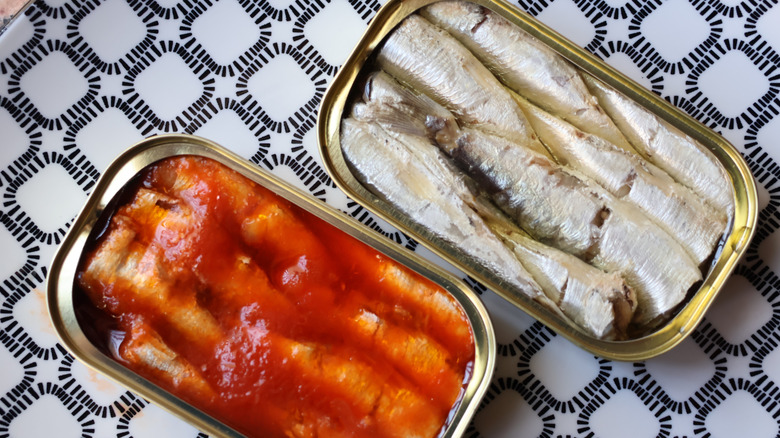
column 80, row 80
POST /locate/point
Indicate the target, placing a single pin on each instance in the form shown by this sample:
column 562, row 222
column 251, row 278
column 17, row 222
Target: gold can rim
column 60, row 281
column 670, row 334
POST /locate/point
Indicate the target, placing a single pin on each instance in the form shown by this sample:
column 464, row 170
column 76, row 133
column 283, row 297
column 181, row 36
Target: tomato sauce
column 267, row 317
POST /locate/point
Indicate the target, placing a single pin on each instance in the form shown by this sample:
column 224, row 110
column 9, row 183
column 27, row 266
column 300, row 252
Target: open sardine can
column 349, row 85
column 103, row 340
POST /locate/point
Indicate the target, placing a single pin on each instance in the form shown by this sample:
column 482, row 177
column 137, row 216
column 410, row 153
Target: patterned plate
column 80, row 80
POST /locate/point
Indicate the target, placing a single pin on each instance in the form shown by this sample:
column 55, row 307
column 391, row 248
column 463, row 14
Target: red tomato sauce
column 267, row 317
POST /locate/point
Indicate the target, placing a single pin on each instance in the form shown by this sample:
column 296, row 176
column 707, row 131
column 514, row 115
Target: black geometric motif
column 56, row 12
column 15, row 330
column 645, row 47
column 648, row 69
column 283, row 14
column 211, row 109
column 738, row 10
column 364, row 216
column 611, row 388
column 35, row 18
column 590, row 10
column 238, row 65
column 533, row 7
column 366, row 8
column 723, row 392
column 765, row 282
column 692, row 403
column 74, row 388
column 31, row 249
column 134, row 407
column 173, row 12
column 765, row 170
column 751, row 23
column 255, row 106
column 366, row 11
column 537, row 404
column 308, row 172
column 128, row 59
column 39, row 53
column 98, row 106
column 758, row 369
column 597, row 19
column 34, row 137
column 298, row 146
column 629, row 9
column 740, row 366
column 34, row 393
column 25, row 360
column 154, row 53
column 303, row 156
column 539, row 337
column 770, row 224
column 708, row 113
column 476, row 286
column 85, row 178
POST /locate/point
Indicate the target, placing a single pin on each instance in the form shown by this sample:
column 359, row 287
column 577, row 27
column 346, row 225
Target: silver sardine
column 600, row 303
column 571, row 212
column 696, row 225
column 525, row 65
column 431, row 61
column 419, row 186
column 685, row 159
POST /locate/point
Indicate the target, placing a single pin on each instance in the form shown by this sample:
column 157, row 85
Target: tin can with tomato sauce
column 247, row 307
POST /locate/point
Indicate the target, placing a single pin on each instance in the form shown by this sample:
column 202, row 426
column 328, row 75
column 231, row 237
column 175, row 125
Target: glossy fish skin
column 525, row 65
column 682, row 157
column 430, row 60
column 553, row 205
column 573, row 213
column 400, row 109
column 650, row 260
column 389, row 169
column 627, row 176
column 600, row 303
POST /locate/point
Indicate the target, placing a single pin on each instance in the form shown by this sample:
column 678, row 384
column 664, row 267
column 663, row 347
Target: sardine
column 145, row 349
column 601, row 303
column 376, row 401
column 261, row 221
column 430, row 60
column 236, row 282
column 573, row 213
column 147, row 353
column 388, row 168
column 525, row 65
column 123, row 274
column 685, row 159
column 413, row 355
column 432, row 310
column 680, row 212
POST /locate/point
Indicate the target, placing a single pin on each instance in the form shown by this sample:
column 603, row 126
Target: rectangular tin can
column 334, row 107
column 61, row 287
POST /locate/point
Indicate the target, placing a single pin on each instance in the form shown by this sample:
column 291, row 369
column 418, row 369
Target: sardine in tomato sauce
column 268, row 318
